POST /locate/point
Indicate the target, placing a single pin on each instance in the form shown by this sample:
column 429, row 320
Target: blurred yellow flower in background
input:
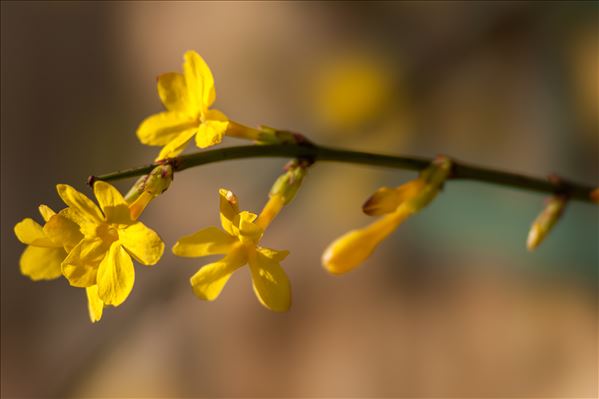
column 239, row 242
column 110, row 238
column 352, row 90
column 187, row 98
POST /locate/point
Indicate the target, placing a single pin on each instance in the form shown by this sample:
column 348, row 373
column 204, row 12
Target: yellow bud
column 545, row 221
column 386, row 200
column 353, row 248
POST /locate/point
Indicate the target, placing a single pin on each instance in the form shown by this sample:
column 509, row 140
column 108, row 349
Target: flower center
column 107, row 232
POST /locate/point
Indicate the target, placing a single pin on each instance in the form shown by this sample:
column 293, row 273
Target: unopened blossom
column 544, row 223
column 395, row 205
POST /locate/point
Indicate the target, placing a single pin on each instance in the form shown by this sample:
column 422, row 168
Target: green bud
column 288, row 183
column 159, row 179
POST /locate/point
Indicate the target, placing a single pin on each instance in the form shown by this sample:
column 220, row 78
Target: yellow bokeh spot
column 352, row 90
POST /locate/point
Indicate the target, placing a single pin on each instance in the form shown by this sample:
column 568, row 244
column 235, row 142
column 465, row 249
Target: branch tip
column 91, row 180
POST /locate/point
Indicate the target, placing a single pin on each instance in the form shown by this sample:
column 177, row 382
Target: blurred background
column 451, row 304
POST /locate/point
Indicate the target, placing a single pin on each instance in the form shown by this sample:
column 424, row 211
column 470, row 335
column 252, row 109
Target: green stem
column 315, row 153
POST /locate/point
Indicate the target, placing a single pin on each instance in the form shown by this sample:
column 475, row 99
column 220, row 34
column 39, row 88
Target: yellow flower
column 396, row 205
column 187, row 98
column 110, row 238
column 239, row 243
column 47, row 248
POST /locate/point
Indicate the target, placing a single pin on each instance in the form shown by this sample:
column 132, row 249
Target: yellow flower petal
column 28, row 231
column 209, row 281
column 115, row 276
column 270, row 283
column 199, row 80
column 39, row 263
column 173, row 92
column 87, row 227
column 63, row 232
column 177, row 145
column 210, row 133
column 81, row 264
column 229, row 208
column 246, row 229
column 139, row 205
column 142, row 243
column 160, row 129
column 215, row 115
column 95, row 306
column 113, row 204
column 209, row 241
column 46, row 212
column 351, row 249
column 273, row 254
column 74, row 199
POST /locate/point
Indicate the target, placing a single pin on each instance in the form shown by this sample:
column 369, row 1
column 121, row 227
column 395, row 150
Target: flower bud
column 433, row 177
column 288, row 183
column 149, row 187
column 354, row 247
column 283, row 191
column 386, row 200
column 545, row 221
column 417, row 193
column 351, row 249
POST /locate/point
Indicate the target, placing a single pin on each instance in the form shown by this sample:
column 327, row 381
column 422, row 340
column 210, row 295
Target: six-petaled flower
column 47, row 248
column 187, row 98
column 239, row 243
column 110, row 238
